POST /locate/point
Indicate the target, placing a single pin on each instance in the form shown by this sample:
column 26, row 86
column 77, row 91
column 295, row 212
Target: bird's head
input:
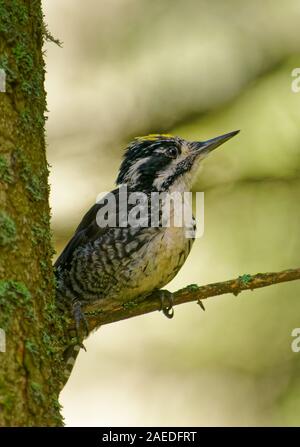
column 163, row 162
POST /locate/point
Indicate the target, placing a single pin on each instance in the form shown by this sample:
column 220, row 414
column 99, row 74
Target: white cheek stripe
column 133, row 173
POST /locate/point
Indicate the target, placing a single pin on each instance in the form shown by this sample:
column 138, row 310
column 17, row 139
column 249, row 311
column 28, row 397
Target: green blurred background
column 197, row 69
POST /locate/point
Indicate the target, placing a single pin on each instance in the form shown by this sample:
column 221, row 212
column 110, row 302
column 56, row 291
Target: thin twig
column 112, row 311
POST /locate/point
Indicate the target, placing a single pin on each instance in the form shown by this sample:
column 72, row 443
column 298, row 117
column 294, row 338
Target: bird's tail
column 69, row 357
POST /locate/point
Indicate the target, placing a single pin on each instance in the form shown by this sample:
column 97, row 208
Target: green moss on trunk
column 30, row 369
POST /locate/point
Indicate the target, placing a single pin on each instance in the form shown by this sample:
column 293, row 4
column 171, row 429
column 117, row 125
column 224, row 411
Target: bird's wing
column 87, row 231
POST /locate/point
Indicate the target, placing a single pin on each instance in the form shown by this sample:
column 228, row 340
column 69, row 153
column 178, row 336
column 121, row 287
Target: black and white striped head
column 161, row 162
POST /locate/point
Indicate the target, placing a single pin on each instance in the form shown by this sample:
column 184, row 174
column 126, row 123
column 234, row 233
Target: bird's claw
column 166, row 303
column 82, row 346
column 80, row 319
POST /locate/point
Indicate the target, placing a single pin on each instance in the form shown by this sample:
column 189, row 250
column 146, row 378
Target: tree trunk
column 30, row 366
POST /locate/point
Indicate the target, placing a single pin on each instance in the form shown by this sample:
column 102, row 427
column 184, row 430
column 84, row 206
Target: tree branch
column 113, row 311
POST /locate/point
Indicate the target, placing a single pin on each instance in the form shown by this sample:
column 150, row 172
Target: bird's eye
column 172, row 152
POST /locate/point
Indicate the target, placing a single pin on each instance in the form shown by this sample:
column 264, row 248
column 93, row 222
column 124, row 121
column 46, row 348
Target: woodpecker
column 123, row 262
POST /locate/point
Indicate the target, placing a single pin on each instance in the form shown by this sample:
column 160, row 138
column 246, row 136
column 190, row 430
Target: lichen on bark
column 30, row 378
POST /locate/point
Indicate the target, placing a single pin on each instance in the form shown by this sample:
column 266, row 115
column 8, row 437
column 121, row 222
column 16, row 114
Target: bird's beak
column 205, row 147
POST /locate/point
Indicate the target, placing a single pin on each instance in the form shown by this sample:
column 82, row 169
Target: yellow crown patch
column 154, row 137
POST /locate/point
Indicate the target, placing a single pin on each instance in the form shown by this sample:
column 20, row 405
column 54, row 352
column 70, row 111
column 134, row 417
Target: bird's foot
column 80, row 320
column 166, row 303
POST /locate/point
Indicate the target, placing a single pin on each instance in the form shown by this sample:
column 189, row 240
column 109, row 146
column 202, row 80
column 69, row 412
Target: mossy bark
column 30, row 367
